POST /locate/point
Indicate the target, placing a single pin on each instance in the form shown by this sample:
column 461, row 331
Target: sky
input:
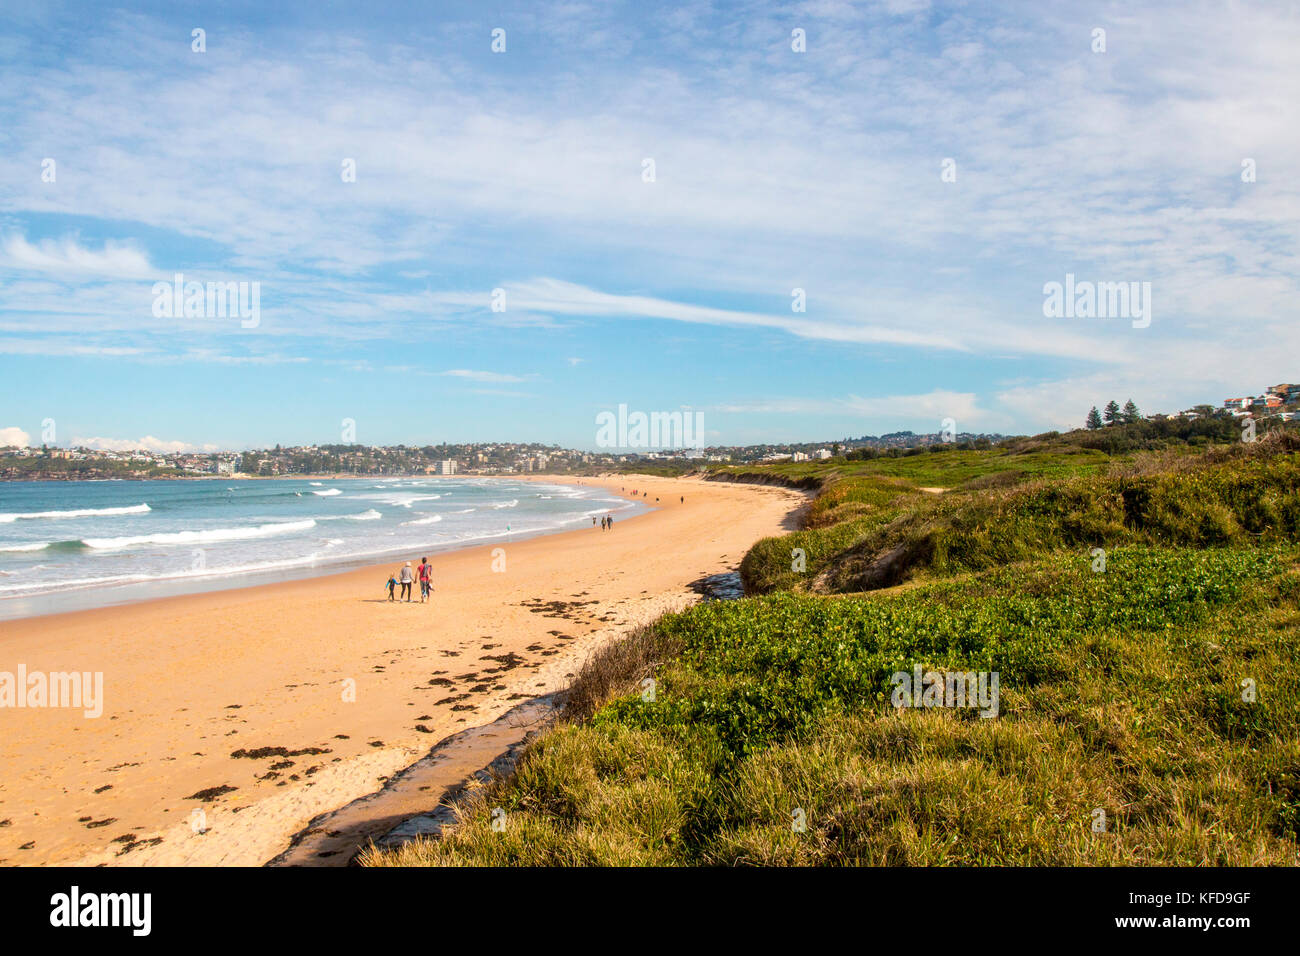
column 806, row 221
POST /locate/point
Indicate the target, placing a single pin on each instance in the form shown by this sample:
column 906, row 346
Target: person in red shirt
column 426, row 579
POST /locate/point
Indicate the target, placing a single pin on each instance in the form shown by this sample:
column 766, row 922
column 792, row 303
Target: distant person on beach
column 405, row 577
column 426, row 579
column 683, row 499
column 392, row 586
column 610, row 519
column 593, row 521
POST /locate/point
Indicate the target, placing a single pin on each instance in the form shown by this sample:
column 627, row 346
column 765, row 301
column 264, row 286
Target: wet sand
column 234, row 718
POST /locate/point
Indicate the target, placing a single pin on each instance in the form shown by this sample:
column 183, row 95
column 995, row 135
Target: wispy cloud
column 70, row 259
column 480, row 376
column 558, row 297
column 930, row 406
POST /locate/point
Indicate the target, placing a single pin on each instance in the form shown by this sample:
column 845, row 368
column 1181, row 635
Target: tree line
column 1113, row 415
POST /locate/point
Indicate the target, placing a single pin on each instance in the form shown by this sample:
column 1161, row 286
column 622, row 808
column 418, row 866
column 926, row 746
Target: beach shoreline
column 90, row 597
column 234, row 717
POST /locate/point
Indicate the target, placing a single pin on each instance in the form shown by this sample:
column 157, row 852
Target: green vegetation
column 1241, row 502
column 26, row 468
column 942, row 466
column 1158, row 690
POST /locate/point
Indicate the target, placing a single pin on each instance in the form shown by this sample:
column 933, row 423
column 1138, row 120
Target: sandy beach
column 232, row 718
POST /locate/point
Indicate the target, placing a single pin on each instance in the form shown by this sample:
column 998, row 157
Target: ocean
column 68, row 545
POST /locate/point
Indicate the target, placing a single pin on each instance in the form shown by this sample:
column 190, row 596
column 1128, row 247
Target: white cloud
column 930, row 406
column 148, row 443
column 503, row 393
column 68, row 258
column 15, row 436
column 556, row 296
column 55, row 346
column 477, row 376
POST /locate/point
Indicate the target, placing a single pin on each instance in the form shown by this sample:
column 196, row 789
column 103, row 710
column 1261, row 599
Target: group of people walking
column 646, row 494
column 406, row 576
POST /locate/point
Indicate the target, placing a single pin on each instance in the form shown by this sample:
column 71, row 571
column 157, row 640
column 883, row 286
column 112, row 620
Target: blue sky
column 523, row 171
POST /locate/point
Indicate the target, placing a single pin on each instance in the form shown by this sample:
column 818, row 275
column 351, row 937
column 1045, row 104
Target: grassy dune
column 1160, row 692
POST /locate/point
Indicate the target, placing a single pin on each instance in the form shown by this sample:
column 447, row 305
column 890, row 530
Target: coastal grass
column 1149, row 709
column 857, row 500
column 869, row 532
column 1121, row 692
column 942, row 466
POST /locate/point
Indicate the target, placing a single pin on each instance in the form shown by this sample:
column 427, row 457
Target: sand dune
column 246, row 713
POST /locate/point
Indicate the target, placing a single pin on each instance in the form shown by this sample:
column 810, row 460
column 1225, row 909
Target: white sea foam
column 75, row 513
column 210, row 536
column 401, row 499
column 188, row 572
column 328, row 492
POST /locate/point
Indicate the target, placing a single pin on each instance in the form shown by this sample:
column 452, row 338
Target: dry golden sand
column 189, row 681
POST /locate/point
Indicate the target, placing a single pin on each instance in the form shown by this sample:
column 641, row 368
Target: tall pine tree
column 1131, row 413
column 1111, row 415
column 1094, row 419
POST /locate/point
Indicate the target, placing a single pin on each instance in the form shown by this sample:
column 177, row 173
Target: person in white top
column 405, row 578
